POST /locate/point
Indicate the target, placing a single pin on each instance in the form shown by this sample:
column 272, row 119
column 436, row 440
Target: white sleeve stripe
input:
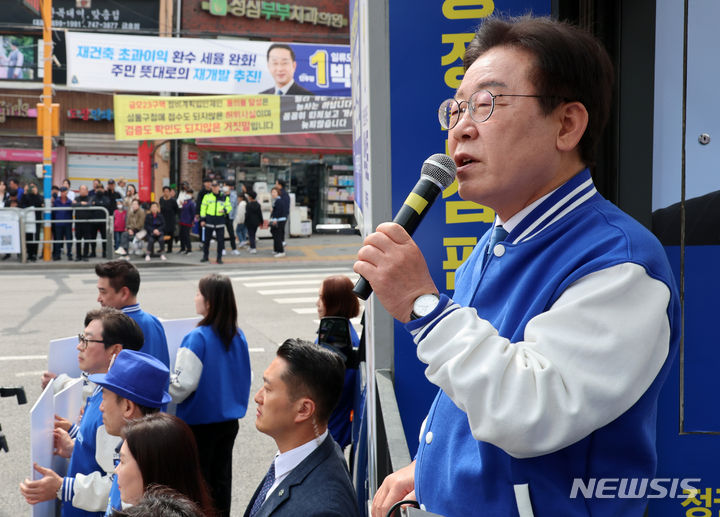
column 579, row 365
column 186, row 377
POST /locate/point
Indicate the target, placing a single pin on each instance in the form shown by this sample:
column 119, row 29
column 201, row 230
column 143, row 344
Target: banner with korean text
column 117, row 62
column 156, row 118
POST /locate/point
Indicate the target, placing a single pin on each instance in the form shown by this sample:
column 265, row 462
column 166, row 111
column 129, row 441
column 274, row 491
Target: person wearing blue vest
column 211, row 383
column 84, row 490
column 118, row 286
column 565, row 318
column 133, row 387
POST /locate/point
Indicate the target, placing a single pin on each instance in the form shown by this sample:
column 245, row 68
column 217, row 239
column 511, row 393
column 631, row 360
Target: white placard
column 42, row 421
column 62, row 356
column 175, row 331
column 67, row 405
column 9, row 231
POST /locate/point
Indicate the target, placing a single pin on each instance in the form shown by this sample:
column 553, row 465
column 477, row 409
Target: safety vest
column 215, row 206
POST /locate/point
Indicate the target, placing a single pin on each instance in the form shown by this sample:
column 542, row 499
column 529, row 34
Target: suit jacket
column 319, row 486
column 295, row 89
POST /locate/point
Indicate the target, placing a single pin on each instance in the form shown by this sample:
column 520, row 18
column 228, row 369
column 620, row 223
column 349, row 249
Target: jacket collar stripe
column 556, row 204
column 567, row 210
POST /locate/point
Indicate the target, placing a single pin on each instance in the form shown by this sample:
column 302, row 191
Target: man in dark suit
column 281, row 63
column 308, row 475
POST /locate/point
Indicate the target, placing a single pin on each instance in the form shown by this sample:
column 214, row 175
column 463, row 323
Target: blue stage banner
column 427, row 43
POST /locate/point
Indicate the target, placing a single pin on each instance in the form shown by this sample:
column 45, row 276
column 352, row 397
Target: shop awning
column 310, row 143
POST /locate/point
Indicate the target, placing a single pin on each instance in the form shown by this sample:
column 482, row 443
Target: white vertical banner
column 42, row 422
column 67, row 403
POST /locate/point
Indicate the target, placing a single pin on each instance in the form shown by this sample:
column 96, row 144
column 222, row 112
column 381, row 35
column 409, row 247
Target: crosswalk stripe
column 297, row 290
column 307, row 310
column 319, row 276
column 309, row 299
column 275, row 272
column 22, row 357
column 281, row 282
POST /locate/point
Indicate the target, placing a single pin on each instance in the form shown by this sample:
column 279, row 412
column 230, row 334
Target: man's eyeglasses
column 85, row 341
column 481, row 105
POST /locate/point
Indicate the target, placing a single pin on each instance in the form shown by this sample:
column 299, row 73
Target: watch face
column 425, row 304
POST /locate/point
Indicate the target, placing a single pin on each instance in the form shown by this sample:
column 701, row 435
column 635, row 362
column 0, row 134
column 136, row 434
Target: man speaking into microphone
column 565, row 318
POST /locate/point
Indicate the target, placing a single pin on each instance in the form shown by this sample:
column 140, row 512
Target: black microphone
column 437, row 173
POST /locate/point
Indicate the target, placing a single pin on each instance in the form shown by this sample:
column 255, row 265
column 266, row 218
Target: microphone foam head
column 441, row 168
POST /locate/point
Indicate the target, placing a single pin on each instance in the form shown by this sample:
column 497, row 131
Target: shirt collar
column 550, row 208
column 285, row 88
column 131, row 308
column 286, row 461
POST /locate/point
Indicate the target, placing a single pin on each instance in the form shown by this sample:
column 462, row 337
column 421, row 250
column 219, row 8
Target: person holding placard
column 88, row 445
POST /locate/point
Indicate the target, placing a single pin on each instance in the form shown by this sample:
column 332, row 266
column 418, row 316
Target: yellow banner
column 158, row 118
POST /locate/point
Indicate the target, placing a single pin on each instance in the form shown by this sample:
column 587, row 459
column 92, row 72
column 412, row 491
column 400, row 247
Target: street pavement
column 46, row 300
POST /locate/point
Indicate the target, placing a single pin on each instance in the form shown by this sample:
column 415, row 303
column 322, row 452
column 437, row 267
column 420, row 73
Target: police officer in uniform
column 215, row 205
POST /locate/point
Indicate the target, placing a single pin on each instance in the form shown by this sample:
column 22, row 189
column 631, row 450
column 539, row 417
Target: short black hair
column 315, row 372
column 282, row 183
column 166, row 187
column 283, row 46
column 144, row 410
column 117, row 328
column 121, row 273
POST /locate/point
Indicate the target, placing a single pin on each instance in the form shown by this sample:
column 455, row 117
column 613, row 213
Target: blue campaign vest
column 83, row 460
column 155, row 340
column 224, row 388
column 459, row 475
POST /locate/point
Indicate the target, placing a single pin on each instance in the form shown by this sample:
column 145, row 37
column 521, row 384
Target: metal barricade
column 40, row 224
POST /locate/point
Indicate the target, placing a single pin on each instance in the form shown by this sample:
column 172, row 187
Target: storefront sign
column 128, row 15
column 268, row 10
column 16, row 108
column 145, row 63
column 192, row 156
column 155, row 118
column 90, row 114
column 23, row 155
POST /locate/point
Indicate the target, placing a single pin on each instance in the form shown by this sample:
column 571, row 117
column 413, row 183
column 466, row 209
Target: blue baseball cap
column 138, row 377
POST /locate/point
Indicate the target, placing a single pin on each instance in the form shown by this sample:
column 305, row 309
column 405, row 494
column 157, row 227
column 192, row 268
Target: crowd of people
column 219, row 212
column 127, row 454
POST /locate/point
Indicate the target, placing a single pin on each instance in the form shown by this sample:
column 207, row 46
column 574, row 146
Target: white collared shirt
column 511, row 223
column 285, row 88
column 285, row 462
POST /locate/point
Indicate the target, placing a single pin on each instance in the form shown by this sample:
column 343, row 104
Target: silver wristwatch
column 424, row 305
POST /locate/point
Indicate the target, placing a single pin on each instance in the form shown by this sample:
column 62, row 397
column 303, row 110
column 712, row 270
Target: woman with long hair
column 211, row 383
column 336, row 298
column 159, row 449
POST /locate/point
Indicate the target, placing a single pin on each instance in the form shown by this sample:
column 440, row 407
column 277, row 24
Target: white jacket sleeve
column 91, row 492
column 581, row 364
column 186, row 377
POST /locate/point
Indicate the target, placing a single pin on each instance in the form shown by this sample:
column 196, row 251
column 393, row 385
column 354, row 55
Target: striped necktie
column 267, row 483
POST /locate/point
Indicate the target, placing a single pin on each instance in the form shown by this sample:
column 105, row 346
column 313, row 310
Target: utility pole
column 47, row 122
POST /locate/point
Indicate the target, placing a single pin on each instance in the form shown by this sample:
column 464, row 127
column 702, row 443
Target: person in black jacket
column 83, row 229
column 253, row 218
column 113, row 195
column 278, row 218
column 155, row 228
column 169, row 210
column 100, row 199
column 31, row 199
